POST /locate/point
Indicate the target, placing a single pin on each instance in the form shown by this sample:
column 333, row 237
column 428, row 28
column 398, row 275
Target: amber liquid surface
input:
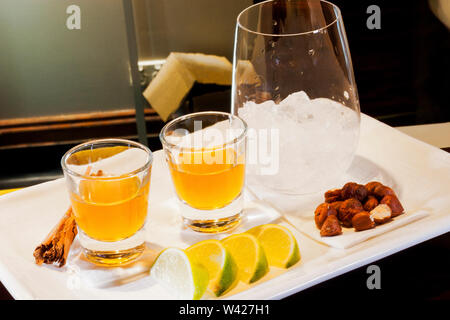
column 209, row 180
column 110, row 210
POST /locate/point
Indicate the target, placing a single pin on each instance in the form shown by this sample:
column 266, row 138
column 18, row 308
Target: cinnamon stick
column 55, row 248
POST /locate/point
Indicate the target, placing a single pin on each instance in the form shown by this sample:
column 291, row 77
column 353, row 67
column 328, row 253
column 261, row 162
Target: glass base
column 214, row 225
column 114, row 258
column 112, row 253
column 215, row 220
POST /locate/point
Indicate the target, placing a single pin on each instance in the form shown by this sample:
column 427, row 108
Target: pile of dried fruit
column 355, row 205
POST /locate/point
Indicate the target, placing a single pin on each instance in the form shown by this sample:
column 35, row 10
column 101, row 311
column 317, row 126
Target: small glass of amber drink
column 205, row 153
column 108, row 182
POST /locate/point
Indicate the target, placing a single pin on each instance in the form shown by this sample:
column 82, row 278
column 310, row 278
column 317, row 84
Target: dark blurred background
column 60, row 87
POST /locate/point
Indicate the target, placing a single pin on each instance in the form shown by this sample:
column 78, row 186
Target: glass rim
column 239, row 24
column 78, row 147
column 195, row 114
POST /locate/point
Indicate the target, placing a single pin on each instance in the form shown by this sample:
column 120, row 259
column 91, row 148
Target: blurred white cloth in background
column 177, row 76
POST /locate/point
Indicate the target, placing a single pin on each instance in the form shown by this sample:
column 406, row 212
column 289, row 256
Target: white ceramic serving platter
column 420, row 174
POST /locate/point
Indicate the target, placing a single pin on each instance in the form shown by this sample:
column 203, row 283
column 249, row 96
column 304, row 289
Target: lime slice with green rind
column 177, row 271
column 221, row 267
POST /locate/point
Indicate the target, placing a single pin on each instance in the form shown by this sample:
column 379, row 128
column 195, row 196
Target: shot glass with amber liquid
column 108, row 182
column 205, row 153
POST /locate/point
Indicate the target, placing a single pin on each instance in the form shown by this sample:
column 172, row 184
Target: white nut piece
column 381, row 213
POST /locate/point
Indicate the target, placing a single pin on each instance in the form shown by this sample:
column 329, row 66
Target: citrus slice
column 221, row 267
column 279, row 244
column 249, row 256
column 180, row 273
column 255, row 230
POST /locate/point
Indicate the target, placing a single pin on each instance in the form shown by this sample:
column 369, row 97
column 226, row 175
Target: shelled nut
column 381, row 213
column 348, row 209
column 336, row 205
column 332, row 195
column 322, row 212
column 331, row 227
column 393, row 203
column 372, row 185
column 353, row 190
column 370, row 203
column 362, row 221
column 382, row 191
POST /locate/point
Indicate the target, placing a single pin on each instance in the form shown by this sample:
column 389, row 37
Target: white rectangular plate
column 422, row 178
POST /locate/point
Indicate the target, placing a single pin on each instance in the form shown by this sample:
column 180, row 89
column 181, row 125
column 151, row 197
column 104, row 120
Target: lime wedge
column 249, row 256
column 180, row 274
column 221, row 267
column 279, row 244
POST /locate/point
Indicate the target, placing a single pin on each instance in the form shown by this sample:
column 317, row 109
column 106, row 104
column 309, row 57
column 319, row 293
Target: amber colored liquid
column 206, row 185
column 110, row 210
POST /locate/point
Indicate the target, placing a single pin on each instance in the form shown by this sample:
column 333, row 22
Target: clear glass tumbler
column 205, row 152
column 293, row 84
column 108, row 182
